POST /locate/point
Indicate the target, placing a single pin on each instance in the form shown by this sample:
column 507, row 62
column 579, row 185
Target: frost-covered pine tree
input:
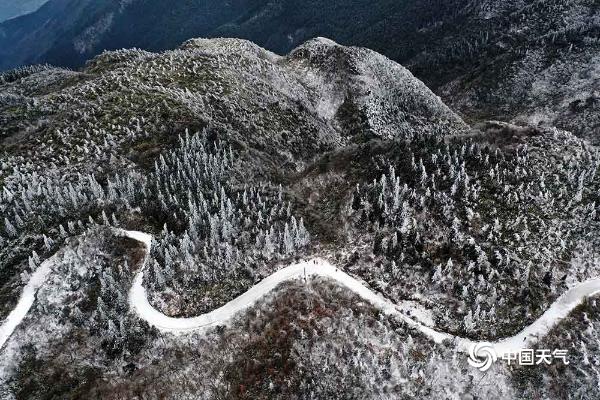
column 48, row 242
column 9, row 228
column 269, row 246
column 302, row 237
column 287, row 241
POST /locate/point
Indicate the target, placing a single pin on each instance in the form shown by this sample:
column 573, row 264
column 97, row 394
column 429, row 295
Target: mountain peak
column 349, row 91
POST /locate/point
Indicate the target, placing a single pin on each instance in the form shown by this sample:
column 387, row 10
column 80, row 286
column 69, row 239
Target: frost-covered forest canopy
column 240, row 162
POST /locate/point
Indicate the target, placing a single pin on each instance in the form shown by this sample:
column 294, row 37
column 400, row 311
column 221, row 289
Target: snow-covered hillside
column 241, row 163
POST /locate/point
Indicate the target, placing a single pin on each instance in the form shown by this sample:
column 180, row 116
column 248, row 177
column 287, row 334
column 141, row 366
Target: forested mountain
column 534, row 61
column 14, row 8
column 153, row 158
column 239, row 162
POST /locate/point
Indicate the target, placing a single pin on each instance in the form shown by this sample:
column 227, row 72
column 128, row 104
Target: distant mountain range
column 534, row 62
column 14, row 8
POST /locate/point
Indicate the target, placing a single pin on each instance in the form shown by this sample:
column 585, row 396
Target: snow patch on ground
column 417, row 311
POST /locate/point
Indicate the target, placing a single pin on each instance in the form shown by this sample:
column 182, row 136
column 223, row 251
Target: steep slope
column 27, row 39
column 534, row 62
column 69, row 32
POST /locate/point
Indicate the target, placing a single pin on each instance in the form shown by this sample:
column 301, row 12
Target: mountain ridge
column 487, row 59
column 11, row 9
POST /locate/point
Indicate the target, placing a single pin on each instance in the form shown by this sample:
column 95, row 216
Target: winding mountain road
column 25, row 301
column 559, row 310
column 139, row 303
